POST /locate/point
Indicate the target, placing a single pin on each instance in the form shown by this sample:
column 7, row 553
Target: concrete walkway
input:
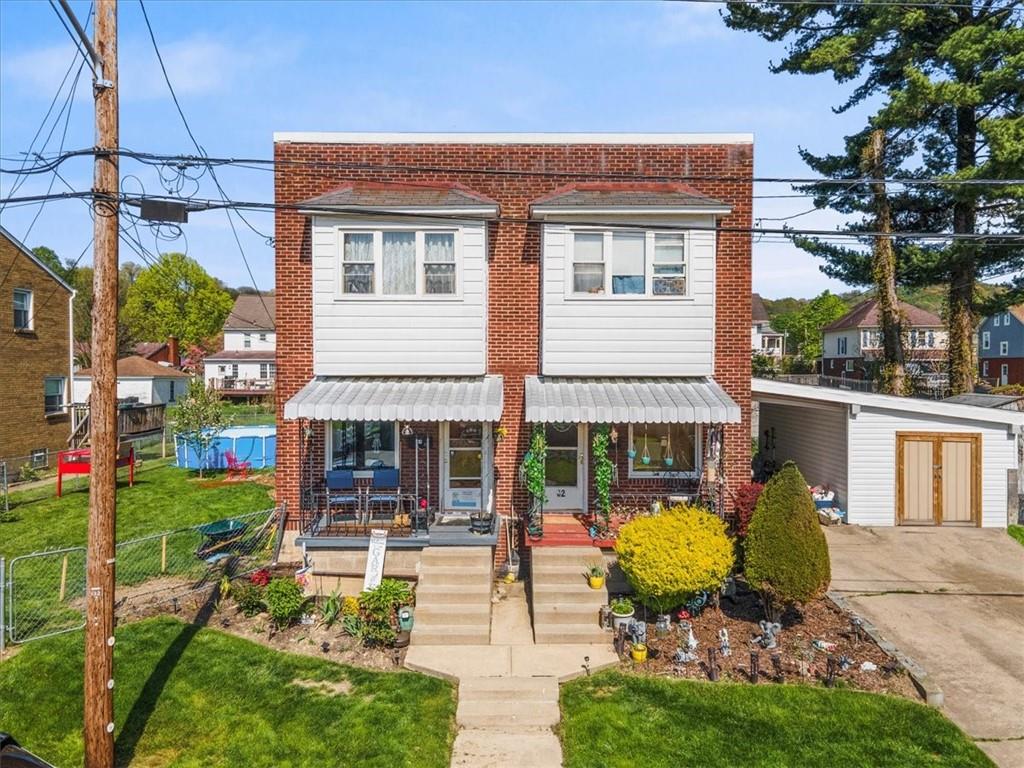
column 508, row 690
column 953, row 600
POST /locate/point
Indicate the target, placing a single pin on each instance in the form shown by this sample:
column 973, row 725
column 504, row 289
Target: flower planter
column 669, row 461
column 639, row 653
column 622, row 619
column 596, row 582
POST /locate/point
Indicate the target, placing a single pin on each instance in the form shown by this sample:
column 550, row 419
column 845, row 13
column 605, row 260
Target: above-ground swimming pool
column 256, row 444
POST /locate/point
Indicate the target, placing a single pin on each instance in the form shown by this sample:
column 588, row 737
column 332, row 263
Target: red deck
column 565, row 530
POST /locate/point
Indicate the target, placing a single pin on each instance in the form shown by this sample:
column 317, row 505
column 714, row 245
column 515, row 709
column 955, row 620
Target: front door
column 464, row 463
column 1004, row 374
column 938, row 478
column 564, row 469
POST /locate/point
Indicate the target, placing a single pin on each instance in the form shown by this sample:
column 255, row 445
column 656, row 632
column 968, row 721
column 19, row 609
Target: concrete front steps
column 453, row 597
column 565, row 609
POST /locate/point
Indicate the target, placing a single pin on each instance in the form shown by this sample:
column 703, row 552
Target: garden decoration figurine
column 712, row 666
column 620, row 639
column 683, row 657
column 723, row 641
column 845, row 662
column 663, row 624
column 831, row 670
column 855, row 628
column 686, row 632
column 768, row 637
column 777, row 666
column 638, row 632
column 697, row 603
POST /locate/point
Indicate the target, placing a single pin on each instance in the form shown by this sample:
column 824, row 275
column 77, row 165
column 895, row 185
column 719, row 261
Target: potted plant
column 622, row 612
column 639, row 652
column 595, row 576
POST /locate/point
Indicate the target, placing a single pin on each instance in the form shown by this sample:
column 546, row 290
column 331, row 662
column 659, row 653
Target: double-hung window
column 247, row 340
column 628, row 263
column 53, row 395
column 841, row 345
column 22, row 309
column 363, row 445
column 399, row 263
column 986, row 339
column 357, row 263
column 1004, row 348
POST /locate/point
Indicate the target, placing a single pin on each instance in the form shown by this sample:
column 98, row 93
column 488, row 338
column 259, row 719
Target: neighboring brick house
column 159, row 351
column 1001, row 347
column 852, row 345
column 35, row 347
column 441, row 296
column 764, row 339
column 246, row 367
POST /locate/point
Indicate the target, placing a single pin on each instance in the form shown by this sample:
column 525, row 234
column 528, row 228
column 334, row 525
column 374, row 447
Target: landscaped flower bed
column 795, row 660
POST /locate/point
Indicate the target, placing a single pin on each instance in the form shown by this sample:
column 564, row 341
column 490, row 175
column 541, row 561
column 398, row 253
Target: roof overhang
column 635, row 401
column 552, row 212
column 465, row 212
column 399, row 399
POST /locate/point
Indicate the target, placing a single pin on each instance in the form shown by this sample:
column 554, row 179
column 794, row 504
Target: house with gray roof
column 245, row 368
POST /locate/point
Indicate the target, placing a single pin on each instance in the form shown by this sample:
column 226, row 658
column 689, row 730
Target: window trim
column 359, row 474
column 608, row 259
column 1004, row 348
column 842, row 345
column 698, row 459
column 984, row 368
column 997, row 320
column 63, row 395
column 377, row 231
column 849, row 366
column 30, row 310
column 986, row 340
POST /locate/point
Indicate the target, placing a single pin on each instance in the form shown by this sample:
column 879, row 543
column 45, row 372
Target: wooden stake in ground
column 883, row 269
column 99, row 604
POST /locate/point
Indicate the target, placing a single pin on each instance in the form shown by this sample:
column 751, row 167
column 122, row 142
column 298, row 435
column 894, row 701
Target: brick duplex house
column 35, row 351
column 440, row 295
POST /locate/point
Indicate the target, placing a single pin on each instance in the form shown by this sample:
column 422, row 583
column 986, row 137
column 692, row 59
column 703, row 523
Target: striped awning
column 634, row 401
column 398, row 399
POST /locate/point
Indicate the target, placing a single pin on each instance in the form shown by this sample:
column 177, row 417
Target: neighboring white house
column 246, row 366
column 763, row 338
column 147, row 382
column 895, row 460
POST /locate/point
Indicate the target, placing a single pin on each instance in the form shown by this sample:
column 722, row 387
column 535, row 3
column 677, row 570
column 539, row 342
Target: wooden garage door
column 938, row 478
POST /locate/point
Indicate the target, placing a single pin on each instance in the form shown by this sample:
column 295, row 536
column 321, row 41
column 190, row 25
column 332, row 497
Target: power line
column 854, row 3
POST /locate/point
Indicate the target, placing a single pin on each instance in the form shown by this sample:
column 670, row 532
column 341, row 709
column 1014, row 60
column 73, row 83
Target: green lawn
column 198, row 697
column 614, row 720
column 163, row 498
column 1017, row 532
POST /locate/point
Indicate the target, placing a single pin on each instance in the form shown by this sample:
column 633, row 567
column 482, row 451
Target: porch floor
column 562, row 529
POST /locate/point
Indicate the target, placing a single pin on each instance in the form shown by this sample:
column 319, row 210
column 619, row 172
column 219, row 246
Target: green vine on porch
column 532, row 474
column 604, row 470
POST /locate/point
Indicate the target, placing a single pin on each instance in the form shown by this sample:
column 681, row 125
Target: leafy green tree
column 80, row 278
column 948, row 79
column 176, row 297
column 50, row 258
column 804, row 326
column 199, row 418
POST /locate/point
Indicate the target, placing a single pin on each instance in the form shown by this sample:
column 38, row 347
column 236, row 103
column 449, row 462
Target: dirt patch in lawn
column 326, row 687
column 795, row 660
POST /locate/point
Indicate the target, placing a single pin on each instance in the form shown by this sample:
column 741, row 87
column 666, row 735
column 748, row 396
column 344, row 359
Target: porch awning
column 635, row 401
column 398, row 399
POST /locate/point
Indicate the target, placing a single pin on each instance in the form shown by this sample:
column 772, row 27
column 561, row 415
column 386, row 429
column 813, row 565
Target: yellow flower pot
column 639, row 653
column 596, row 582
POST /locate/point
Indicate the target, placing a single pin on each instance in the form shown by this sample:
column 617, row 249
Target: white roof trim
column 24, row 249
column 342, row 137
column 634, row 401
column 542, row 211
column 355, row 210
column 399, row 399
column 771, row 388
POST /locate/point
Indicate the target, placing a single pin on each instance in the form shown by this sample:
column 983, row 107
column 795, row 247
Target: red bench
column 79, row 462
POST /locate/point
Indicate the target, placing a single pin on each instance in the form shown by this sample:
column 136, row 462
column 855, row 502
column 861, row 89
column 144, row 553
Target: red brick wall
column 1014, row 372
column 514, row 275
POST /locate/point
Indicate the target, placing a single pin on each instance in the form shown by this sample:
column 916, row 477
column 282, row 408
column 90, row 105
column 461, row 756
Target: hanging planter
column 631, row 453
column 645, row 457
column 669, row 461
column 669, row 458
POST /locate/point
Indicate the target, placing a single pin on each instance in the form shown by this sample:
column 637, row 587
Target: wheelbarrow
column 219, row 538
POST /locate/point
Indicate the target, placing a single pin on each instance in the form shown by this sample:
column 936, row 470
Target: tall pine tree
column 949, row 76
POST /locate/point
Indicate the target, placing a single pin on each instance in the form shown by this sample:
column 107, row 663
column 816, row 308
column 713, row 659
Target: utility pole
column 103, row 437
column 883, row 270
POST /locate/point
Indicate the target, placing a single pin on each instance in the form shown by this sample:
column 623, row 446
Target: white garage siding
column 872, row 446
column 814, row 437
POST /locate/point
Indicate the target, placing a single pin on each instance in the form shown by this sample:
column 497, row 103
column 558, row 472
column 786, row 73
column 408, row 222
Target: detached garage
column 893, row 460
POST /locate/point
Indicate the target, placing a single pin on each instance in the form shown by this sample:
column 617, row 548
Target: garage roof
column 768, row 388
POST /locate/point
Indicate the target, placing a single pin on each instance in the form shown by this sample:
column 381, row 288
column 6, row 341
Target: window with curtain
column 398, row 263
column 669, row 265
column 628, row 266
column 588, row 263
column 439, row 263
column 357, row 263
column 363, row 445
column 663, row 449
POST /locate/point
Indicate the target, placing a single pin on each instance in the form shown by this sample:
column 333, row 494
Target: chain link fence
column 43, row 593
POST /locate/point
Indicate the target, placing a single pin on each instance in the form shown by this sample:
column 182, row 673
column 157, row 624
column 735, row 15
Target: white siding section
column 148, row 391
column 409, row 337
column 246, row 369
column 610, row 336
column 235, row 340
column 830, row 343
column 814, row 438
column 872, row 448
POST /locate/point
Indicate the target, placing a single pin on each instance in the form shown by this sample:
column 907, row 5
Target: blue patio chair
column 343, row 496
column 383, row 500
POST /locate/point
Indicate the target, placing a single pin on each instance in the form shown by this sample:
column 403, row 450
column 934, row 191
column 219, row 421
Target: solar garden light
column 831, row 670
column 712, row 665
column 755, row 666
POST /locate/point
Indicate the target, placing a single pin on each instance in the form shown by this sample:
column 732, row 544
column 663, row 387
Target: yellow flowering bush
column 669, row 557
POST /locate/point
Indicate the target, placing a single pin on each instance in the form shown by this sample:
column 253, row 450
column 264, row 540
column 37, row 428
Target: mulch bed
column 795, row 660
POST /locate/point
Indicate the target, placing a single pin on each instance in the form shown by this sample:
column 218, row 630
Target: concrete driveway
column 953, row 600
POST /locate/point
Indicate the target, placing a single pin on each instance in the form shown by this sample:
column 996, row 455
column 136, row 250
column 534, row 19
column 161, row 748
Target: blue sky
column 246, row 69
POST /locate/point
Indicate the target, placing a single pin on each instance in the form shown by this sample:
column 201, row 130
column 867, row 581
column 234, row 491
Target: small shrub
column 350, row 606
column 382, row 601
column 785, row 552
column 260, row 578
column 285, row 601
column 378, row 633
column 669, row 557
column 352, row 624
column 330, row 611
column 744, row 502
column 249, row 599
column 622, row 606
column 27, row 473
